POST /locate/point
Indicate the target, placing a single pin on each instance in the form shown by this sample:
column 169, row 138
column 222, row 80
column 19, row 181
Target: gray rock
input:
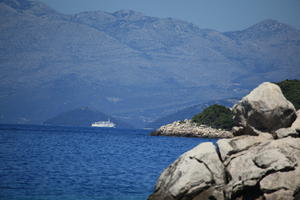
column 247, row 130
column 284, row 184
column 249, row 167
column 286, row 132
column 265, row 109
column 237, row 130
column 192, row 173
column 296, row 123
column 246, row 169
column 243, row 173
column 280, row 195
column 228, row 147
column 287, row 181
column 273, row 158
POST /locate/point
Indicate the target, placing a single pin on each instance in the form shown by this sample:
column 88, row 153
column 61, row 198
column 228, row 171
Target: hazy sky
column 222, row 15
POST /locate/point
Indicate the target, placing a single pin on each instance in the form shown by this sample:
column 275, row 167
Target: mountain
column 133, row 66
column 188, row 112
column 83, row 117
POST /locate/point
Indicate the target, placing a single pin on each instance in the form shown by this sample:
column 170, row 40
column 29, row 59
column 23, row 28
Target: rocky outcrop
column 187, row 128
column 191, row 173
column 264, row 109
column 262, row 166
column 245, row 167
column 286, row 132
column 296, row 123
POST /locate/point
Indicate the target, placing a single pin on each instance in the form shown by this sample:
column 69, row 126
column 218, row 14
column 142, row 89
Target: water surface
column 52, row 163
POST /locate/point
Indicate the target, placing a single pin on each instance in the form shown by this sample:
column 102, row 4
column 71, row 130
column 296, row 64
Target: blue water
column 53, row 163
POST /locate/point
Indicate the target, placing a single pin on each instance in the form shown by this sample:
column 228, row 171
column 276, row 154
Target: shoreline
column 187, row 128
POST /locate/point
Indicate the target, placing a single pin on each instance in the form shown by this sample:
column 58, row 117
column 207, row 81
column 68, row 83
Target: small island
column 188, row 128
column 216, row 121
column 213, row 122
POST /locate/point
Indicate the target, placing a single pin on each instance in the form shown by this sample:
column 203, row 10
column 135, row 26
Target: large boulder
column 244, row 167
column 193, row 172
column 264, row 109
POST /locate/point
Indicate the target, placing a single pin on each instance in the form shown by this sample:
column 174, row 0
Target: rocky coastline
column 187, row 128
column 260, row 162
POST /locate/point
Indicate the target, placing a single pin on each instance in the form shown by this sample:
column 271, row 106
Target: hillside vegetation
column 188, row 112
column 291, row 91
column 215, row 116
column 218, row 116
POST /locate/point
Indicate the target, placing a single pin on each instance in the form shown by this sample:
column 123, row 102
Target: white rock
column 270, row 167
column 191, row 173
column 285, row 132
column 265, row 109
column 227, row 147
column 189, row 129
column 280, row 195
column 296, row 123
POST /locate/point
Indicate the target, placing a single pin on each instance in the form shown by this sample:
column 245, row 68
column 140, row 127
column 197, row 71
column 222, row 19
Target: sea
column 83, row 163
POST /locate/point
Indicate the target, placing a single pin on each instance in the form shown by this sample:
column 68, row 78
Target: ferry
column 104, row 124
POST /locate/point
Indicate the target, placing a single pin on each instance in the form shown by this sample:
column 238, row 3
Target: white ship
column 105, row 124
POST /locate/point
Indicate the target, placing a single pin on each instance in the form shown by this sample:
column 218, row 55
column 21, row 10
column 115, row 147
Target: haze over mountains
column 135, row 67
column 189, row 112
column 83, row 117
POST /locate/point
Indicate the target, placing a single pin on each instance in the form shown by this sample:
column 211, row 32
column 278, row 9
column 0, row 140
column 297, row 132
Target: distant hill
column 128, row 64
column 189, row 112
column 83, row 117
column 291, row 90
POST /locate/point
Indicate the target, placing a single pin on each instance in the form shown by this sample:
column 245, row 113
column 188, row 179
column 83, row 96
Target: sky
column 221, row 15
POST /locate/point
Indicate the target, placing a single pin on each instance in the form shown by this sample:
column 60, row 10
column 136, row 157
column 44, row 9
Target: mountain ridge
column 83, row 116
column 54, row 62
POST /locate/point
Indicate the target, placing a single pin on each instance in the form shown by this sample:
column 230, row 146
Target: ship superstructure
column 105, row 124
